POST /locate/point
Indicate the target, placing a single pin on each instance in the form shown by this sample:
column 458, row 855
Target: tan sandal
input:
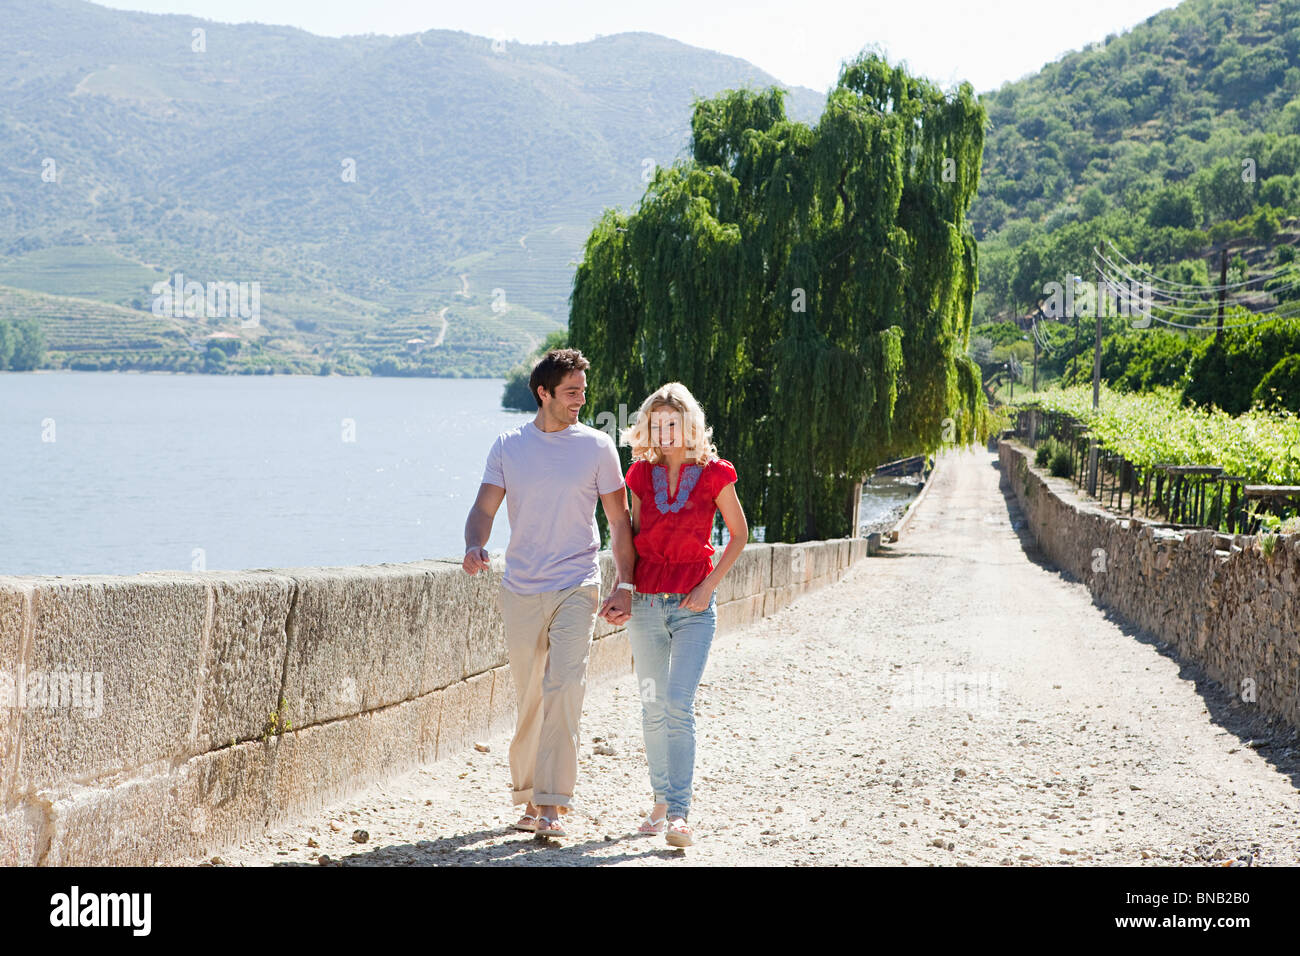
column 527, row 823
column 679, row 833
column 548, row 827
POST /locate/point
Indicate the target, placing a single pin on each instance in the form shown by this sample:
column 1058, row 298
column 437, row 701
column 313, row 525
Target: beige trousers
column 549, row 639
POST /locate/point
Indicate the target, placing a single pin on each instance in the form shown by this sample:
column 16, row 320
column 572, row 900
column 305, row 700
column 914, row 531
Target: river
column 117, row 473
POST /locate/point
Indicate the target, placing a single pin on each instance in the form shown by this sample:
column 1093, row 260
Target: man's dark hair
column 551, row 369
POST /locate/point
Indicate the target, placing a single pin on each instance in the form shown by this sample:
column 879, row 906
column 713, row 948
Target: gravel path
column 1062, row 737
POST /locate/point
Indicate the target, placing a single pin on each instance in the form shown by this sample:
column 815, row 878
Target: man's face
column 570, row 395
column 666, row 428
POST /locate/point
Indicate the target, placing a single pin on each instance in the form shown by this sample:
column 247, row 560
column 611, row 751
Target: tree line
column 22, row 345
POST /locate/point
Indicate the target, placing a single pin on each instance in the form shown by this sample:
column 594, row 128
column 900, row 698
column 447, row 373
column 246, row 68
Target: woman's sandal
column 548, row 827
column 527, row 823
column 653, row 827
column 679, row 833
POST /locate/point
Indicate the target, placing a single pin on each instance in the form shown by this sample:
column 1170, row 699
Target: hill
column 371, row 186
column 1169, row 140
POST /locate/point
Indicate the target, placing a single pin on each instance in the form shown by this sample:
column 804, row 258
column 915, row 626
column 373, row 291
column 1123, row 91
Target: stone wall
column 1218, row 599
column 229, row 701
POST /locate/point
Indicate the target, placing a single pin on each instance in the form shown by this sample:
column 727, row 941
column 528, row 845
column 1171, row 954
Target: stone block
column 112, row 675
column 22, row 834
column 163, row 812
column 478, row 703
column 359, row 638
column 611, row 658
column 774, row 599
column 502, row 711
column 741, row 612
column 453, row 723
column 313, row 766
column 466, row 707
column 15, row 618
column 750, row 575
column 783, row 562
column 395, row 737
column 243, row 657
column 823, row 560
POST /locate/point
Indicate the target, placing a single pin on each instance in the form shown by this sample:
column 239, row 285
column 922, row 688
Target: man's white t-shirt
column 553, row 482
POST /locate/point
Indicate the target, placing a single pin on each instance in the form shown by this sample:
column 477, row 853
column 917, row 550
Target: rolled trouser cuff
column 551, row 800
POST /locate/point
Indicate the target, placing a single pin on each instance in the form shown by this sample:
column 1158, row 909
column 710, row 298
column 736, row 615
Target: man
column 551, row 470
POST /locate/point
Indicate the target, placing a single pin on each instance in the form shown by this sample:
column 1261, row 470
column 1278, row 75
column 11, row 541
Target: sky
column 799, row 43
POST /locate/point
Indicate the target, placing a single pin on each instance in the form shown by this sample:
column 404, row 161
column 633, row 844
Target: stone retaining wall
column 379, row 668
column 1216, row 598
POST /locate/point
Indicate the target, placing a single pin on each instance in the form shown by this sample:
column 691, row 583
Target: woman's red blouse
column 674, row 546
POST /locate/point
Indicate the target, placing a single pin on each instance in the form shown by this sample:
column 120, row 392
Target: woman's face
column 666, row 429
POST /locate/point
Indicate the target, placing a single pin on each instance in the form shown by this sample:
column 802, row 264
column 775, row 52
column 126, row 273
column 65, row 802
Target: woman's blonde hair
column 696, row 432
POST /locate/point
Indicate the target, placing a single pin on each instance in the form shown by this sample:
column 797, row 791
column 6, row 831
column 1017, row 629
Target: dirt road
column 952, row 701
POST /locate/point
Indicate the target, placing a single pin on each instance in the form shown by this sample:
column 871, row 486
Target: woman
column 676, row 483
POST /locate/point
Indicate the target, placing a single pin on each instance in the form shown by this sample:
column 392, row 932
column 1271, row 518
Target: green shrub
column 1055, row 456
column 1062, row 462
column 1280, row 388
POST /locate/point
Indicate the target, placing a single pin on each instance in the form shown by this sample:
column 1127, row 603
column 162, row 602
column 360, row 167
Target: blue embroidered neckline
column 685, row 482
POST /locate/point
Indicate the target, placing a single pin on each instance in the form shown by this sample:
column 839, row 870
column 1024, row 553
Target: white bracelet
column 625, row 586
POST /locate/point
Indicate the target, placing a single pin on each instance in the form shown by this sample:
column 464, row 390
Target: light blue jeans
column 670, row 646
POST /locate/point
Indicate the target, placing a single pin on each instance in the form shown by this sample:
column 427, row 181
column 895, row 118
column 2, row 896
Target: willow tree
column 811, row 286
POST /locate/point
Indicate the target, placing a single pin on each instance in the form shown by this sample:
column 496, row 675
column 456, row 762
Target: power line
column 1127, row 297
column 1210, row 313
column 1275, row 317
column 1155, row 291
column 1040, row 335
column 1188, row 299
column 1194, row 285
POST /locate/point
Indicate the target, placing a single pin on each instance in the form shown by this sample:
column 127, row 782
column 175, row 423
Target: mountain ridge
column 232, row 165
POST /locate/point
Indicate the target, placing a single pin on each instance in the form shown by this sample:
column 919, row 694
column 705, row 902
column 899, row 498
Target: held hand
column 476, row 560
column 617, row 608
column 698, row 599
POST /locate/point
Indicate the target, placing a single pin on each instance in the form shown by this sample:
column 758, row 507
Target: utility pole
column 1034, row 333
column 1096, row 396
column 1074, row 359
column 1223, row 281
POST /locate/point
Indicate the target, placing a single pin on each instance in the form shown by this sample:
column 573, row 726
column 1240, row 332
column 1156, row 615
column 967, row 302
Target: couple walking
column 551, row 471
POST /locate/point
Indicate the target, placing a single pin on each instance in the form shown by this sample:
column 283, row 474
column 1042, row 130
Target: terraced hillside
column 365, row 183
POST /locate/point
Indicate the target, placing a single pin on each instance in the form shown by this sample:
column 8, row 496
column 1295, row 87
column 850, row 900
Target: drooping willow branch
column 812, row 286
